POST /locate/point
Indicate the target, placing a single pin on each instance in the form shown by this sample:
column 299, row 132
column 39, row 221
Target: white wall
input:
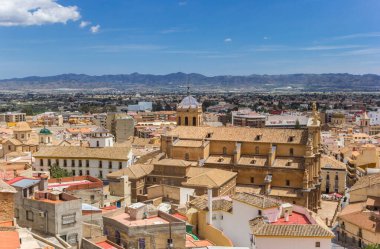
column 93, row 168
column 236, row 225
column 184, row 194
column 291, row 243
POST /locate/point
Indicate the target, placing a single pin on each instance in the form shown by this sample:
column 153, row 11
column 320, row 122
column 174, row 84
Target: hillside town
column 198, row 174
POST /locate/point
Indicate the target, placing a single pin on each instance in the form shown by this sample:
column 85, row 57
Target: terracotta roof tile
column 112, row 153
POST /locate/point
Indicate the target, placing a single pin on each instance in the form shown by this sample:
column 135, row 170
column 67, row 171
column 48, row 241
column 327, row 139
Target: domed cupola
column 45, row 136
column 189, row 112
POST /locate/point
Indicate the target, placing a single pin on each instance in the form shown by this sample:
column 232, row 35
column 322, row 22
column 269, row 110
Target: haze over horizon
column 48, row 37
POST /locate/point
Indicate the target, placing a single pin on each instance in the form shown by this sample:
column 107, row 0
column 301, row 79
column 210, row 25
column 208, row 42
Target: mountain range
column 174, row 81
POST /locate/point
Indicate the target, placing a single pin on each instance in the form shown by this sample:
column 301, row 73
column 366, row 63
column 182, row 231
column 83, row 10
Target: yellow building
column 359, row 222
column 189, row 112
column 334, row 174
column 282, row 163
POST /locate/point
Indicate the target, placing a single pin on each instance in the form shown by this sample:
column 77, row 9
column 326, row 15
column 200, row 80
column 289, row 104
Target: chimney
column 209, row 205
column 43, row 184
column 286, row 215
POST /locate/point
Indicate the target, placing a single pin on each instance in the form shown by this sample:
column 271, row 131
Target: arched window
column 97, row 143
column 187, row 157
column 336, row 178
column 179, row 120
column 186, row 121
column 194, row 121
column 257, row 150
column 291, row 151
column 224, row 150
column 117, row 237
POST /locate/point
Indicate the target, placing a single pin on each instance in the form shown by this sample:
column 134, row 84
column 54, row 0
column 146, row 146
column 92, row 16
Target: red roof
column 295, row 218
column 105, row 245
column 12, row 240
column 180, row 216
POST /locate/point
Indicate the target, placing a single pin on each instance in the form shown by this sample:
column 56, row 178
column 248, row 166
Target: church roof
column 22, row 126
column 189, row 102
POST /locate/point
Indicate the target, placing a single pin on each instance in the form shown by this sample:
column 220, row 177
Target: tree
column 58, row 172
column 373, row 246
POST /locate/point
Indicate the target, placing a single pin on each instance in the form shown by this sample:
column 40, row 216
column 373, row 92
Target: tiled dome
column 189, row 102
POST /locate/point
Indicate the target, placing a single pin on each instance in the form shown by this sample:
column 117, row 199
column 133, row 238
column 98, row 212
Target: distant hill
column 302, row 82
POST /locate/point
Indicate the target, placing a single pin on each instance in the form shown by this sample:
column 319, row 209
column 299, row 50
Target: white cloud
column 266, row 38
column 182, row 3
column 84, row 24
column 35, row 12
column 95, row 29
column 358, row 35
column 228, row 40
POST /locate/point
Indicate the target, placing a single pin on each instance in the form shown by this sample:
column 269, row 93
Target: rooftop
column 9, row 240
column 241, row 134
column 125, row 219
column 258, row 201
column 294, row 218
column 134, row 171
column 113, row 153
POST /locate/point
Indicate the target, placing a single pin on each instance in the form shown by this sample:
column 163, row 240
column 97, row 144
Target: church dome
column 45, row 131
column 189, row 102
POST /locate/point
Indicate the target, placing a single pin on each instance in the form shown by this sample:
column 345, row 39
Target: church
column 281, row 163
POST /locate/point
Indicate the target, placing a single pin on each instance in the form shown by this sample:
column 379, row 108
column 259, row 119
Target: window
column 154, row 179
column 64, row 162
column 80, row 172
column 317, row 244
column 88, row 172
column 97, row 143
column 49, row 162
column 29, row 215
column 72, row 163
column 120, row 165
column 257, row 150
column 187, row 157
column 92, row 197
column 87, row 163
column 117, row 237
column 42, row 162
column 80, row 163
column 252, row 179
column 141, row 243
column 179, row 120
column 260, row 212
column 72, row 239
column 17, row 213
column 100, row 164
column 186, row 121
column 291, row 139
column 110, row 164
column 224, row 150
column 9, row 147
column 194, row 121
column 287, row 182
column 291, row 151
column 73, row 172
column 101, row 174
column 68, row 219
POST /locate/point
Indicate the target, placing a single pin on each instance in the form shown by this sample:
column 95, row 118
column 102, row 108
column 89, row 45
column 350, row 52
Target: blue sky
column 237, row 37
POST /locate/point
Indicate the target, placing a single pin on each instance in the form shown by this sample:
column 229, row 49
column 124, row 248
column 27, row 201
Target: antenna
column 188, row 86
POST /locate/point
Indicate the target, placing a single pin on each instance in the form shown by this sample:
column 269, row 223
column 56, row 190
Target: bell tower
column 189, row 111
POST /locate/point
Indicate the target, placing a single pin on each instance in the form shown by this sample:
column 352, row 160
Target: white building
column 259, row 222
column 98, row 160
column 374, row 117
